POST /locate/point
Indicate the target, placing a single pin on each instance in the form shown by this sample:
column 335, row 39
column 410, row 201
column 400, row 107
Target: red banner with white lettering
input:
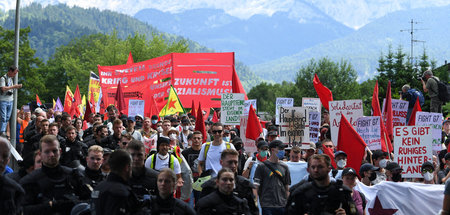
column 198, row 77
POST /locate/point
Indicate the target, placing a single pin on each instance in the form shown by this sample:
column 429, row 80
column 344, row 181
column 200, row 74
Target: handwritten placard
column 247, row 104
column 313, row 104
column 282, row 102
column 399, row 112
column 434, row 120
column 352, row 110
column 369, row 128
column 314, row 126
column 232, row 108
column 136, row 107
column 294, row 125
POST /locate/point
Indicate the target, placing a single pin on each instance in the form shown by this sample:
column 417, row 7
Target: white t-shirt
column 161, row 164
column 213, row 157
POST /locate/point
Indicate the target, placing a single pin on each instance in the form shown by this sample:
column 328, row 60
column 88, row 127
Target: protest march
column 178, row 134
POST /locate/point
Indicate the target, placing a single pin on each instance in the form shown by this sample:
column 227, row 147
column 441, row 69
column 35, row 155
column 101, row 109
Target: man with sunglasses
column 328, row 143
column 209, row 156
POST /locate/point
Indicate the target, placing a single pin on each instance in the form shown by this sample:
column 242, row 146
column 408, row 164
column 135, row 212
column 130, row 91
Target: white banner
column 294, row 125
column 136, row 107
column 313, row 104
column 282, row 102
column 247, row 104
column 314, row 126
column 434, row 120
column 412, row 147
column 369, row 128
column 352, row 110
column 232, row 108
column 399, row 112
column 249, row 144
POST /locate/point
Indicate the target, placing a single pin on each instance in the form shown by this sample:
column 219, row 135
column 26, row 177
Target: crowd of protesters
column 152, row 165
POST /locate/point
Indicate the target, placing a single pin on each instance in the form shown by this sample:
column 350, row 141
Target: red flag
column 215, row 118
column 68, row 99
column 323, row 92
column 351, row 143
column 88, row 111
column 120, row 99
column 92, row 102
column 193, row 109
column 388, row 114
column 376, row 111
column 253, row 126
column 154, row 108
column 38, row 101
column 412, row 118
column 75, row 110
column 130, row 59
column 200, row 123
column 236, row 84
column 329, row 152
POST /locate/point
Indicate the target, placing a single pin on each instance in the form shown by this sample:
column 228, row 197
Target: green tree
column 71, row 64
column 339, row 77
column 29, row 76
column 266, row 95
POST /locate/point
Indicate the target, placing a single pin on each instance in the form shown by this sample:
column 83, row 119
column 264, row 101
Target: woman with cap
column 428, row 172
column 252, row 162
column 349, row 179
column 394, row 172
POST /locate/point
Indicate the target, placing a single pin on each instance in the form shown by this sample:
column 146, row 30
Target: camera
column 419, row 78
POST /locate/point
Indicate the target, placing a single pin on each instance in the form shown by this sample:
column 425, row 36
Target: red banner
column 198, row 77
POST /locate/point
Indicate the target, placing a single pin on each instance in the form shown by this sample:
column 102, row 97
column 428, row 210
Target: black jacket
column 92, row 177
column 170, row 206
column 217, row 203
column 11, row 196
column 73, row 151
column 61, row 185
column 243, row 190
column 114, row 196
column 144, row 182
column 110, row 142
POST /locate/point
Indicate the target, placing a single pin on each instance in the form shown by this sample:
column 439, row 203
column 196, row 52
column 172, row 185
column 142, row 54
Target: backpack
column 208, row 145
column 443, row 90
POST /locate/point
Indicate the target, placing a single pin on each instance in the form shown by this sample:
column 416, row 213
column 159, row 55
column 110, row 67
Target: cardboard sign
column 399, row 112
column 247, row 104
column 434, row 120
column 412, row 147
column 136, row 107
column 313, row 104
column 369, row 128
column 282, row 102
column 314, row 126
column 249, row 144
column 232, row 108
column 352, row 110
column 294, row 125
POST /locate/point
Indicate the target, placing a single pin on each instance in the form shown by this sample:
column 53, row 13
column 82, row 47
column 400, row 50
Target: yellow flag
column 54, row 103
column 82, row 107
column 173, row 105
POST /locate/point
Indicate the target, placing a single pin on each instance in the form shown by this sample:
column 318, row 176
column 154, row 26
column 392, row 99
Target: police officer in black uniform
column 92, row 173
column 25, row 166
column 11, row 193
column 164, row 202
column 321, row 196
column 114, row 196
column 112, row 141
column 52, row 189
column 143, row 180
column 223, row 200
column 243, row 188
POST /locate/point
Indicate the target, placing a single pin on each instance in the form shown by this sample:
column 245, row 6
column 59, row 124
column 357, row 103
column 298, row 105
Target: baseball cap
column 340, row 153
column 366, row 167
column 349, row 171
column 185, row 121
column 277, row 143
column 130, row 118
column 377, row 154
column 427, row 164
column 262, row 143
column 392, row 166
column 138, row 115
column 312, row 145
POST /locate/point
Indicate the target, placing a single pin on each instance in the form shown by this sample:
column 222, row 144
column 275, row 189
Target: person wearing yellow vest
column 163, row 159
column 209, row 156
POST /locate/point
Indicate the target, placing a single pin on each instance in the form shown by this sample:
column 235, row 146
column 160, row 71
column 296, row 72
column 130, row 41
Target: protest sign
column 369, row 128
column 314, row 126
column 352, row 110
column 313, row 104
column 249, row 144
column 412, row 147
column 247, row 104
column 282, row 102
column 294, row 125
column 232, row 108
column 399, row 112
column 434, row 120
column 136, row 107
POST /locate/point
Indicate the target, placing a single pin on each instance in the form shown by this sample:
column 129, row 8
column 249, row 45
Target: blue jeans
column 5, row 114
column 272, row 211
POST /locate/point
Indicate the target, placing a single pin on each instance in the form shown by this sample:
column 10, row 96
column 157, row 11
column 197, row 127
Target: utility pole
column 13, row 119
column 411, row 30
